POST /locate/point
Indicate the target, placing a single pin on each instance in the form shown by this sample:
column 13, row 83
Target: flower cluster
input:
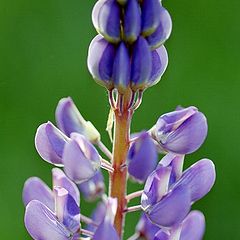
column 129, row 51
column 126, row 57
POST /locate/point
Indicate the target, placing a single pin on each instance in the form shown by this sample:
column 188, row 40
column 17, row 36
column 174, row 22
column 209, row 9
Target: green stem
column 118, row 180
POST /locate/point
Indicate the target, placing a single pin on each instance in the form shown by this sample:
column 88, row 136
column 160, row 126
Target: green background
column 43, row 49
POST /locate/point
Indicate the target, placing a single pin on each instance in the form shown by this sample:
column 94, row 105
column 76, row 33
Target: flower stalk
column 118, row 179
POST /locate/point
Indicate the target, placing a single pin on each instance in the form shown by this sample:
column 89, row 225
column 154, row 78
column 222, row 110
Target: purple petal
column 193, row 226
column 69, row 120
column 159, row 65
column 161, row 235
column 182, row 131
column 176, row 162
column 106, row 231
column 94, row 187
column 163, row 30
column 49, row 142
column 106, row 18
column 199, row 178
column 81, row 159
column 142, row 157
column 156, row 186
column 132, row 21
column 151, row 11
column 172, row 209
column 101, row 55
column 121, row 68
column 35, row 189
column 141, row 64
column 61, row 180
column 145, row 228
column 42, row 224
column 67, row 210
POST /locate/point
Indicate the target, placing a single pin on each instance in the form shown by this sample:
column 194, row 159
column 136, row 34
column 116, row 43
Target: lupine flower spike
column 126, row 57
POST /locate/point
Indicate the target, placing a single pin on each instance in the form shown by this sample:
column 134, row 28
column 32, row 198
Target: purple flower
column 106, row 19
column 163, row 31
column 58, row 217
column 101, row 55
column 182, row 131
column 35, row 189
column 93, row 188
column 142, row 157
column 69, row 120
column 50, row 142
column 106, row 230
column 141, row 64
column 167, row 205
column 132, row 21
column 80, row 158
column 151, row 16
column 121, row 68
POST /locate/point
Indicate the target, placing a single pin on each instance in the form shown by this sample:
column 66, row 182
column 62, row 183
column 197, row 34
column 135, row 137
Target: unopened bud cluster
column 129, row 51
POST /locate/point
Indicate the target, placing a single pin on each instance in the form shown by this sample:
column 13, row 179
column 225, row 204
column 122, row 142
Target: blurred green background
column 43, row 49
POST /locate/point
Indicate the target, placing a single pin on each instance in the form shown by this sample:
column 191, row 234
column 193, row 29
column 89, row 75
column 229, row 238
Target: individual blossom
column 142, row 157
column 59, row 217
column 182, row 131
column 167, row 205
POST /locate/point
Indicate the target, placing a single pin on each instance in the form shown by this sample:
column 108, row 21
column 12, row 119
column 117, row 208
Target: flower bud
column 121, row 68
column 163, row 31
column 106, row 229
column 182, row 131
column 50, row 142
column 159, row 65
column 101, row 55
column 69, row 120
column 151, row 11
column 132, row 21
column 142, row 157
column 141, row 64
column 106, row 19
column 81, row 159
column 93, row 188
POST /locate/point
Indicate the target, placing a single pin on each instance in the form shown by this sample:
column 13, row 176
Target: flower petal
column 42, row 224
column 199, row 178
column 50, row 142
column 141, row 64
column 121, row 68
column 161, row 235
column 67, row 210
column 69, row 120
column 163, row 31
column 193, row 226
column 80, row 158
column 172, row 209
column 35, row 189
column 159, row 65
column 151, row 11
column 61, row 180
column 132, row 21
